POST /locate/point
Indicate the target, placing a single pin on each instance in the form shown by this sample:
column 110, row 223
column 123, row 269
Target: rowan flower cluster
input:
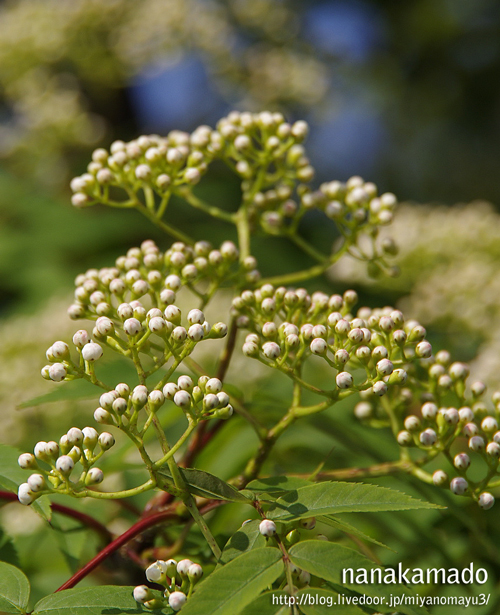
column 178, row 579
column 146, row 277
column 54, row 462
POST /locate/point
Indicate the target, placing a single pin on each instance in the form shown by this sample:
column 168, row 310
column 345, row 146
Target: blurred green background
column 406, row 94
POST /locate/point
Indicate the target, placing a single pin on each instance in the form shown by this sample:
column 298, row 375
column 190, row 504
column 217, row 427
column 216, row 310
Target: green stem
column 175, row 447
column 211, row 210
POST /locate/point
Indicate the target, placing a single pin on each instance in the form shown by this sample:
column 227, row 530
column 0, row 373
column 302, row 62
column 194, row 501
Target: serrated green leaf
column 328, row 560
column 208, row 486
column 248, row 537
column 264, row 605
column 14, row 589
column 317, row 601
column 343, row 526
column 338, row 497
column 228, row 590
column 11, row 476
column 93, row 601
column 277, row 485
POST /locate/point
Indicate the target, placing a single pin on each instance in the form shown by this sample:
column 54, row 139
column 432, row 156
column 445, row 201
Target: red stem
column 132, row 532
column 69, row 512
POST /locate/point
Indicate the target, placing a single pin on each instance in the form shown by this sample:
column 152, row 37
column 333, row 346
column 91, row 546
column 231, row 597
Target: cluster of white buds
column 156, row 332
column 162, row 163
column 289, row 325
column 178, row 579
column 205, row 400
column 54, row 463
column 62, row 367
column 154, row 278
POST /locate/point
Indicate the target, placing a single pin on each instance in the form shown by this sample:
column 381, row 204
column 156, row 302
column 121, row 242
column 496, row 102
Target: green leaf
column 14, row 589
column 277, row 485
column 343, row 526
column 11, row 476
column 8, row 552
column 264, row 605
column 316, row 601
column 328, row 560
column 228, row 590
column 92, row 601
column 248, row 537
column 208, row 486
column 336, row 497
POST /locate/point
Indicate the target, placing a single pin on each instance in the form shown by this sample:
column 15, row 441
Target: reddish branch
column 127, row 536
column 69, row 512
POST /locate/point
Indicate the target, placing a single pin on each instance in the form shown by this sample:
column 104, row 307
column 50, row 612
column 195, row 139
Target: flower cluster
column 388, row 361
column 178, row 579
column 289, row 326
column 54, row 462
column 154, row 278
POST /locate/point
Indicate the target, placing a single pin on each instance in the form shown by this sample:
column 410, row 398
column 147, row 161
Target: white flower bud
column 344, row 380
column 459, row 485
column 25, row 495
column 486, row 500
column 440, row 478
column 104, row 325
column 196, row 333
column 106, row 440
column 195, row 572
column 75, row 436
column 169, row 390
column 451, row 416
column 132, row 326
column 125, row 310
column 466, row 415
column 386, row 324
column 36, row 482
column 185, row 383
column 489, row 424
column 428, row 437
column 94, row 476
column 182, row 399
column 380, row 388
column 139, row 396
column 470, row 429
column 412, row 423
column 271, row 350
column 60, row 350
column 91, row 352
column 155, row 573
column 423, row 350
column 318, row 346
column 142, row 594
column 156, row 399
column 267, row 528
column 143, row 171
column 493, row 449
column 27, row 461
column 157, row 324
column 65, row 465
column 210, row 401
column 57, row 372
column 223, row 399
column 478, row 389
column 461, row 461
column 103, row 416
column 458, row 371
column 179, row 334
column 476, row 443
column 404, row 438
column 90, row 437
column 363, row 410
column 196, row 317
column 183, row 567
column 385, row 367
column 177, row 600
